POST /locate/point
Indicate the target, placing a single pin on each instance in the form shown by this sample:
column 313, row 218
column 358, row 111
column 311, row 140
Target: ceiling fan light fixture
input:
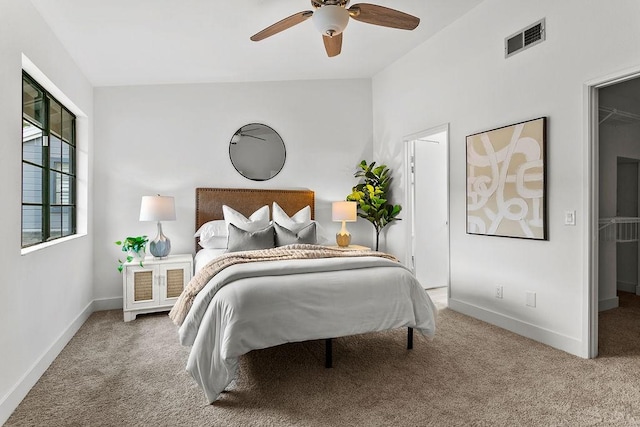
column 331, row 20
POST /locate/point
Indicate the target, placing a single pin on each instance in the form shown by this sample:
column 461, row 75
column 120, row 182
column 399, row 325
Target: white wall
column 44, row 295
column 460, row 76
column 171, row 139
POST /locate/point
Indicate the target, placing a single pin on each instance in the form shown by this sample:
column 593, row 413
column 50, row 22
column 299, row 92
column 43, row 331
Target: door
column 173, row 278
column 430, row 206
column 141, row 286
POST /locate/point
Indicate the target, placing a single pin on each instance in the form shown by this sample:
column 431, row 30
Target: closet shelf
column 619, row 229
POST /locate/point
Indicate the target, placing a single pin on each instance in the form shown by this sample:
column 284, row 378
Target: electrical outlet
column 531, row 299
column 499, row 292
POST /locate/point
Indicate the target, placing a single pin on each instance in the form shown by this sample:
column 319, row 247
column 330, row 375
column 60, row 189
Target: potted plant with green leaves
column 135, row 247
column 371, row 194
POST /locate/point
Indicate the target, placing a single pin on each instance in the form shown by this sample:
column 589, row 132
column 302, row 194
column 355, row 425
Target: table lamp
column 158, row 208
column 345, row 212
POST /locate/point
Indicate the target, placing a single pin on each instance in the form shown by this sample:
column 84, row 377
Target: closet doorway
column 618, row 200
column 428, row 203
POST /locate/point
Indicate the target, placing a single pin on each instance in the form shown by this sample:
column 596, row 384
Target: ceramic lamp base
column 343, row 240
column 160, row 247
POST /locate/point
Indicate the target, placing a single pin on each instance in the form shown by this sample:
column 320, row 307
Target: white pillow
column 217, row 228
column 205, row 256
column 322, row 235
column 257, row 221
column 295, row 223
column 213, row 242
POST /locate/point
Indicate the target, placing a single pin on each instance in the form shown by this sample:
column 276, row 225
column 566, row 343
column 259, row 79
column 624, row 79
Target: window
column 48, row 166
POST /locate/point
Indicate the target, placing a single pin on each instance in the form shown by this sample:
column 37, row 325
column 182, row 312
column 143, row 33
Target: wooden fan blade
column 383, row 16
column 333, row 45
column 254, row 137
column 282, row 25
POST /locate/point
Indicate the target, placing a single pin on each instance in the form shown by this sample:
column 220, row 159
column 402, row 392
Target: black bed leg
column 328, row 353
column 410, row 339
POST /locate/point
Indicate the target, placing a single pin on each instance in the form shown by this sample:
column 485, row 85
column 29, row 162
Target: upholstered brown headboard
column 209, row 202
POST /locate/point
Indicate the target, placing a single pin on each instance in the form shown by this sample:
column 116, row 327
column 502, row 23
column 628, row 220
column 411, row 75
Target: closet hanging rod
column 619, row 113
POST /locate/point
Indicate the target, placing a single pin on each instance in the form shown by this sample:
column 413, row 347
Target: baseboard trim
column 608, row 304
column 107, row 304
column 626, row 287
column 12, row 399
column 536, row 333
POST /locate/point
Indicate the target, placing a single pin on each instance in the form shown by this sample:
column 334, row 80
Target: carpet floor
column 472, row 374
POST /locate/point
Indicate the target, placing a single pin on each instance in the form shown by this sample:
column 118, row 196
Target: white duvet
column 264, row 304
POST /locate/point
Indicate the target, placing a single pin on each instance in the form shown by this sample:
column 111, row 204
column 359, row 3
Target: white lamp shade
column 331, row 20
column 157, row 208
column 344, row 211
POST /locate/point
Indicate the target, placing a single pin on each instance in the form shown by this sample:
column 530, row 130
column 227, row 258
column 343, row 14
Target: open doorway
column 428, row 203
column 616, row 146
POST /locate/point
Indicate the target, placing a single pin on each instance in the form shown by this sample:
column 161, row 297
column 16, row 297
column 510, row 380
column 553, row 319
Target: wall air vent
column 525, row 38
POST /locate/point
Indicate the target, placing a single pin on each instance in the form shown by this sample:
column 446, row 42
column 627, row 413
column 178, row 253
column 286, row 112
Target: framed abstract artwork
column 506, row 181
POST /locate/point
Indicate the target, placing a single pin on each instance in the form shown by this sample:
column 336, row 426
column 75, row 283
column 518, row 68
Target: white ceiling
column 132, row 42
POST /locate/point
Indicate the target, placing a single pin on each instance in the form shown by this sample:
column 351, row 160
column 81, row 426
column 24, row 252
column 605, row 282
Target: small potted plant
column 135, row 247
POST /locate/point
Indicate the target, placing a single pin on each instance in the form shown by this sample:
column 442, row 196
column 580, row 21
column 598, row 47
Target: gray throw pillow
column 284, row 236
column 240, row 240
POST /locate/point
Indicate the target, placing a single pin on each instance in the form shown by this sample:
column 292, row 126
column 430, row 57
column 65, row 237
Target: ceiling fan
column 332, row 16
column 242, row 132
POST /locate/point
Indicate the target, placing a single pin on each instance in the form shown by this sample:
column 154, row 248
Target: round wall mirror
column 257, row 152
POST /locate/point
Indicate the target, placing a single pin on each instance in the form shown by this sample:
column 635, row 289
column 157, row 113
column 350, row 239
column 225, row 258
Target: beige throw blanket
column 296, row 251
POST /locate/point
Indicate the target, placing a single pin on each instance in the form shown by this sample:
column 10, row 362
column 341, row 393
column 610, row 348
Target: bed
column 275, row 297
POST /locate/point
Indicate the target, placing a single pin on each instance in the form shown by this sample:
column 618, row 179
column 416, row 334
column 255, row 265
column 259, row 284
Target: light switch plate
column 570, row 218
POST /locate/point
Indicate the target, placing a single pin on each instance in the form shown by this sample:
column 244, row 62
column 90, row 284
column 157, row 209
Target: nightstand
column 156, row 285
column 351, row 248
